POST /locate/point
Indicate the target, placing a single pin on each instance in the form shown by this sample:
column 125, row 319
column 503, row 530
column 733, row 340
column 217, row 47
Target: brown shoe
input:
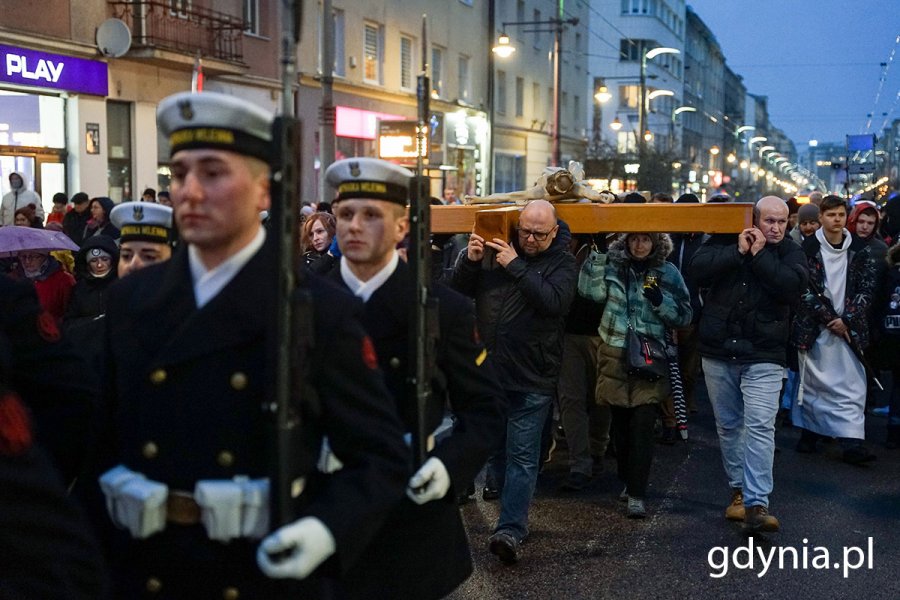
column 757, row 519
column 735, row 510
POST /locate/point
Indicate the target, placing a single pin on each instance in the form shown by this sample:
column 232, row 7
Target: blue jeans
column 527, row 413
column 745, row 398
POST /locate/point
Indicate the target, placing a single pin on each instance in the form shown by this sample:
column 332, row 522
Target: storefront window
column 32, row 120
column 509, row 172
column 118, row 118
column 348, row 147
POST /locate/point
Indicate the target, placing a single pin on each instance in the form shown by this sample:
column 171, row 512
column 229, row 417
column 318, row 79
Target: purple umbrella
column 15, row 239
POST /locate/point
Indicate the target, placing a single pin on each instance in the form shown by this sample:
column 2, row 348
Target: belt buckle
column 181, row 508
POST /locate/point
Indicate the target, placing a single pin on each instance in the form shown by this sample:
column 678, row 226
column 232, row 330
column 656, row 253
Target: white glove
column 430, row 482
column 308, row 544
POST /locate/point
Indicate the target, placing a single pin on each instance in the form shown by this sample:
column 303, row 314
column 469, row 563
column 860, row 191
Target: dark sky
column 818, row 61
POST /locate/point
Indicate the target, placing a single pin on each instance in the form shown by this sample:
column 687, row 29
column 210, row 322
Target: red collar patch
column 15, row 426
column 369, row 356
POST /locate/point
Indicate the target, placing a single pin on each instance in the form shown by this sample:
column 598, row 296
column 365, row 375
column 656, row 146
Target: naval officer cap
column 212, row 120
column 143, row 221
column 369, row 178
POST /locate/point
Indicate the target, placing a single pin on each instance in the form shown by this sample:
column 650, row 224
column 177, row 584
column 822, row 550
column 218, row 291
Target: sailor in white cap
column 146, row 234
column 188, row 343
column 421, row 551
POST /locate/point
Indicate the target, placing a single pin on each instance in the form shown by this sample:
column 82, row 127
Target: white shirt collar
column 365, row 289
column 208, row 283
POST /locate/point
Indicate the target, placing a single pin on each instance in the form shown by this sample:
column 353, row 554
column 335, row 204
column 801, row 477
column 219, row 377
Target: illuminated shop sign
column 397, row 139
column 54, row 71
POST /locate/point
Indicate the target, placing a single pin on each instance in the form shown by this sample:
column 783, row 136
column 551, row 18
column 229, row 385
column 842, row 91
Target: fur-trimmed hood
column 662, row 247
column 893, row 255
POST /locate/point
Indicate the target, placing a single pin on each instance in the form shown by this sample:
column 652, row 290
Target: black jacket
column 52, row 377
column 83, row 322
column 74, row 223
column 745, row 317
column 521, row 311
column 684, row 246
column 45, row 543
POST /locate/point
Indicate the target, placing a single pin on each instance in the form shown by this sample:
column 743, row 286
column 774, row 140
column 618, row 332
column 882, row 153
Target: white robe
column 832, row 397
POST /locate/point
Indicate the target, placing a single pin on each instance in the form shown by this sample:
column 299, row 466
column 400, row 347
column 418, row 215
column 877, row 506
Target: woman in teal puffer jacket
column 633, row 282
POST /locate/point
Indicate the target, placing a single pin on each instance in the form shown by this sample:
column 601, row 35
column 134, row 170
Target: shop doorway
column 44, row 171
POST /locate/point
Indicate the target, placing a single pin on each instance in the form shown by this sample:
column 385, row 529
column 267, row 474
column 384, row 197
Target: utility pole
column 557, row 80
column 326, row 110
column 489, row 159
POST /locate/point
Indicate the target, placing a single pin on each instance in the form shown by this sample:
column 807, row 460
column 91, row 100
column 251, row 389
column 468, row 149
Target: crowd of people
column 156, row 431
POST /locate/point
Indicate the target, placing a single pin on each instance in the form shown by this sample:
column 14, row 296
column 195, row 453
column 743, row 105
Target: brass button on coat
column 394, row 362
column 238, row 382
column 231, row 593
column 150, row 450
column 225, row 458
column 158, row 376
column 153, row 585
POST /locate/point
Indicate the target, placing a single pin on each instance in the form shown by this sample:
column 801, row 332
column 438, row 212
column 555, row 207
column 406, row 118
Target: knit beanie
column 808, row 212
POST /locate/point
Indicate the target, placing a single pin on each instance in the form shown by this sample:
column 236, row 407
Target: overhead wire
column 886, row 67
column 715, row 119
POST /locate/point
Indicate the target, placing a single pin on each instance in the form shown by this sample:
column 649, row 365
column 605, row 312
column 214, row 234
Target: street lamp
column 503, row 49
column 642, row 111
column 682, row 109
column 603, row 96
column 616, row 124
column 658, row 94
column 506, row 49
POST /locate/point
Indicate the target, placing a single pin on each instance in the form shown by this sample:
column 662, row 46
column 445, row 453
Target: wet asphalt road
column 582, row 546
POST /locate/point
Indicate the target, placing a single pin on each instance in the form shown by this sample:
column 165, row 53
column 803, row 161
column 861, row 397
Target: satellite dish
column 113, row 38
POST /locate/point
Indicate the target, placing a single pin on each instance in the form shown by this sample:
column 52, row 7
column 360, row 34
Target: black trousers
column 633, row 431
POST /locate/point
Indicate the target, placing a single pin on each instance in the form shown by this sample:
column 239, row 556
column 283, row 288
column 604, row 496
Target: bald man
column 743, row 339
column 521, row 303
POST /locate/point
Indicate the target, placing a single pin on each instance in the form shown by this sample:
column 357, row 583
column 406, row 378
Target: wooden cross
column 594, row 217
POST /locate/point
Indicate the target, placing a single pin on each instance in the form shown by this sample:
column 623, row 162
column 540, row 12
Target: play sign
column 55, row 71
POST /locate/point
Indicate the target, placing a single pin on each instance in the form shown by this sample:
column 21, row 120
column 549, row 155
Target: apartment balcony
column 167, row 35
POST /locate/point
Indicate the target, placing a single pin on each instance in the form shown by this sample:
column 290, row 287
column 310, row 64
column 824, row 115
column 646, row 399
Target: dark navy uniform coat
column 422, row 551
column 186, row 388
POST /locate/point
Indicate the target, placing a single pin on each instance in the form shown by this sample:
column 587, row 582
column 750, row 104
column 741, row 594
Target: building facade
column 78, row 103
column 378, row 55
column 621, row 33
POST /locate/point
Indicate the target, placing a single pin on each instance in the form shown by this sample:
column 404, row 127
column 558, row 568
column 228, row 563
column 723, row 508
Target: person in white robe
column 832, row 316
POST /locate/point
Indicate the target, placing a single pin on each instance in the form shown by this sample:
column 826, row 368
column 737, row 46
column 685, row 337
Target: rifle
column 290, row 331
column 423, row 325
column 871, row 374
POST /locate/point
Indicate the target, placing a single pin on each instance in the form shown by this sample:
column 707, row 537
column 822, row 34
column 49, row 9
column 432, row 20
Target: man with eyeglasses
column 521, row 304
column 52, row 282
